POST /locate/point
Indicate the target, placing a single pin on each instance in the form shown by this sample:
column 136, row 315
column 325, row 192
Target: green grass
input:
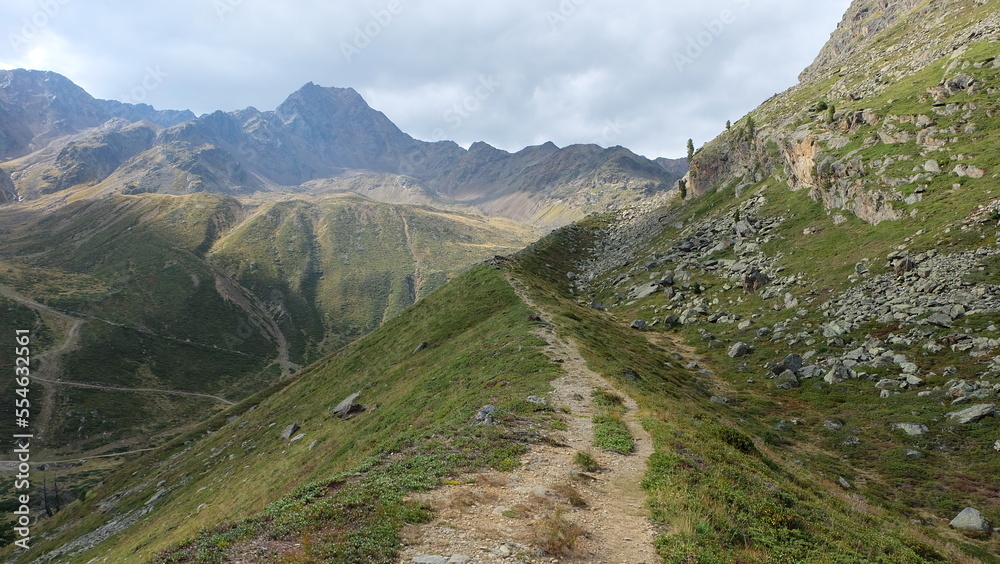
column 480, row 351
column 611, row 433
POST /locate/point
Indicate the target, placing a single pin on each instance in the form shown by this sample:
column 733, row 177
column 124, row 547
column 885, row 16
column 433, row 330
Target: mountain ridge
column 317, row 133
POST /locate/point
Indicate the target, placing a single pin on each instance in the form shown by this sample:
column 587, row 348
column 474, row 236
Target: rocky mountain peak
column 862, row 22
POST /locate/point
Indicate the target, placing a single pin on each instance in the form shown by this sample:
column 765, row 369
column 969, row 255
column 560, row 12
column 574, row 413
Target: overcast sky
column 645, row 74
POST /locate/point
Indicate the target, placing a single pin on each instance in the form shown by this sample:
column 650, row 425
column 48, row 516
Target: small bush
column 586, row 461
column 556, row 535
column 604, row 398
column 570, row 494
column 737, row 440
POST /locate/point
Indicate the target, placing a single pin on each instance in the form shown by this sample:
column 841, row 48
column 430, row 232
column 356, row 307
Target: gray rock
column 837, row 374
column 638, row 324
column 430, row 559
column 763, row 332
column 792, row 362
column 645, row 291
column 833, row 425
column 485, row 414
column 973, row 414
column 932, row 166
column 721, row 400
column 289, row 431
column 971, row 520
column 887, row 384
column 420, row 347
column 786, row 381
column 459, row 559
column 912, row 429
column 811, row 371
column 910, row 453
column 844, row 483
column 739, row 350
column 941, row 319
column 599, row 306
column 755, row 281
column 349, row 407
column 537, row 400
column 834, row 329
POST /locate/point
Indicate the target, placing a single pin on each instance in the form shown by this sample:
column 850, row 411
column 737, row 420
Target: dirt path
column 506, row 517
column 48, row 361
column 110, row 388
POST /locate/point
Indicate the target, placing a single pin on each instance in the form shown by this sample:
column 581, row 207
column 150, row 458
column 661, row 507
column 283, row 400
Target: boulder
column 349, row 407
column 837, row 374
column 971, row 520
column 638, row 324
column 941, row 319
column 289, row 431
column 485, row 414
column 739, row 350
column 786, row 381
column 973, row 414
column 792, row 362
column 912, row 429
column 645, row 291
column 755, row 281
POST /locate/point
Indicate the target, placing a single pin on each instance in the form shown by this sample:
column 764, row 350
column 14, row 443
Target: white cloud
column 567, row 68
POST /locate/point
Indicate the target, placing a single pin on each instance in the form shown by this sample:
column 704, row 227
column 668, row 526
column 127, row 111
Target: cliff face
column 899, row 84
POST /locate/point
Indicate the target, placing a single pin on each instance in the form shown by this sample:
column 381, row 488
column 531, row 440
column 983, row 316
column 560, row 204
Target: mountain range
column 794, row 362
column 319, row 140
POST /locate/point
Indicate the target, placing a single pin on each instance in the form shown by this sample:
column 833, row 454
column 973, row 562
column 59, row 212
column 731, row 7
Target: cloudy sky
column 645, row 74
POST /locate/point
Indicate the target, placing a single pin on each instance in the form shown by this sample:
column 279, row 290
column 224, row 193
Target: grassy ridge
column 480, row 350
column 335, row 268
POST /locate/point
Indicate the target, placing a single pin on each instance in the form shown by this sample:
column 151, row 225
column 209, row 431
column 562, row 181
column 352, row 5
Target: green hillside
column 161, row 310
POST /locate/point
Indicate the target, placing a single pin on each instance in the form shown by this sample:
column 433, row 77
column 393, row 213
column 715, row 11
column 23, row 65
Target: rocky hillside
column 327, row 135
column 39, row 107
